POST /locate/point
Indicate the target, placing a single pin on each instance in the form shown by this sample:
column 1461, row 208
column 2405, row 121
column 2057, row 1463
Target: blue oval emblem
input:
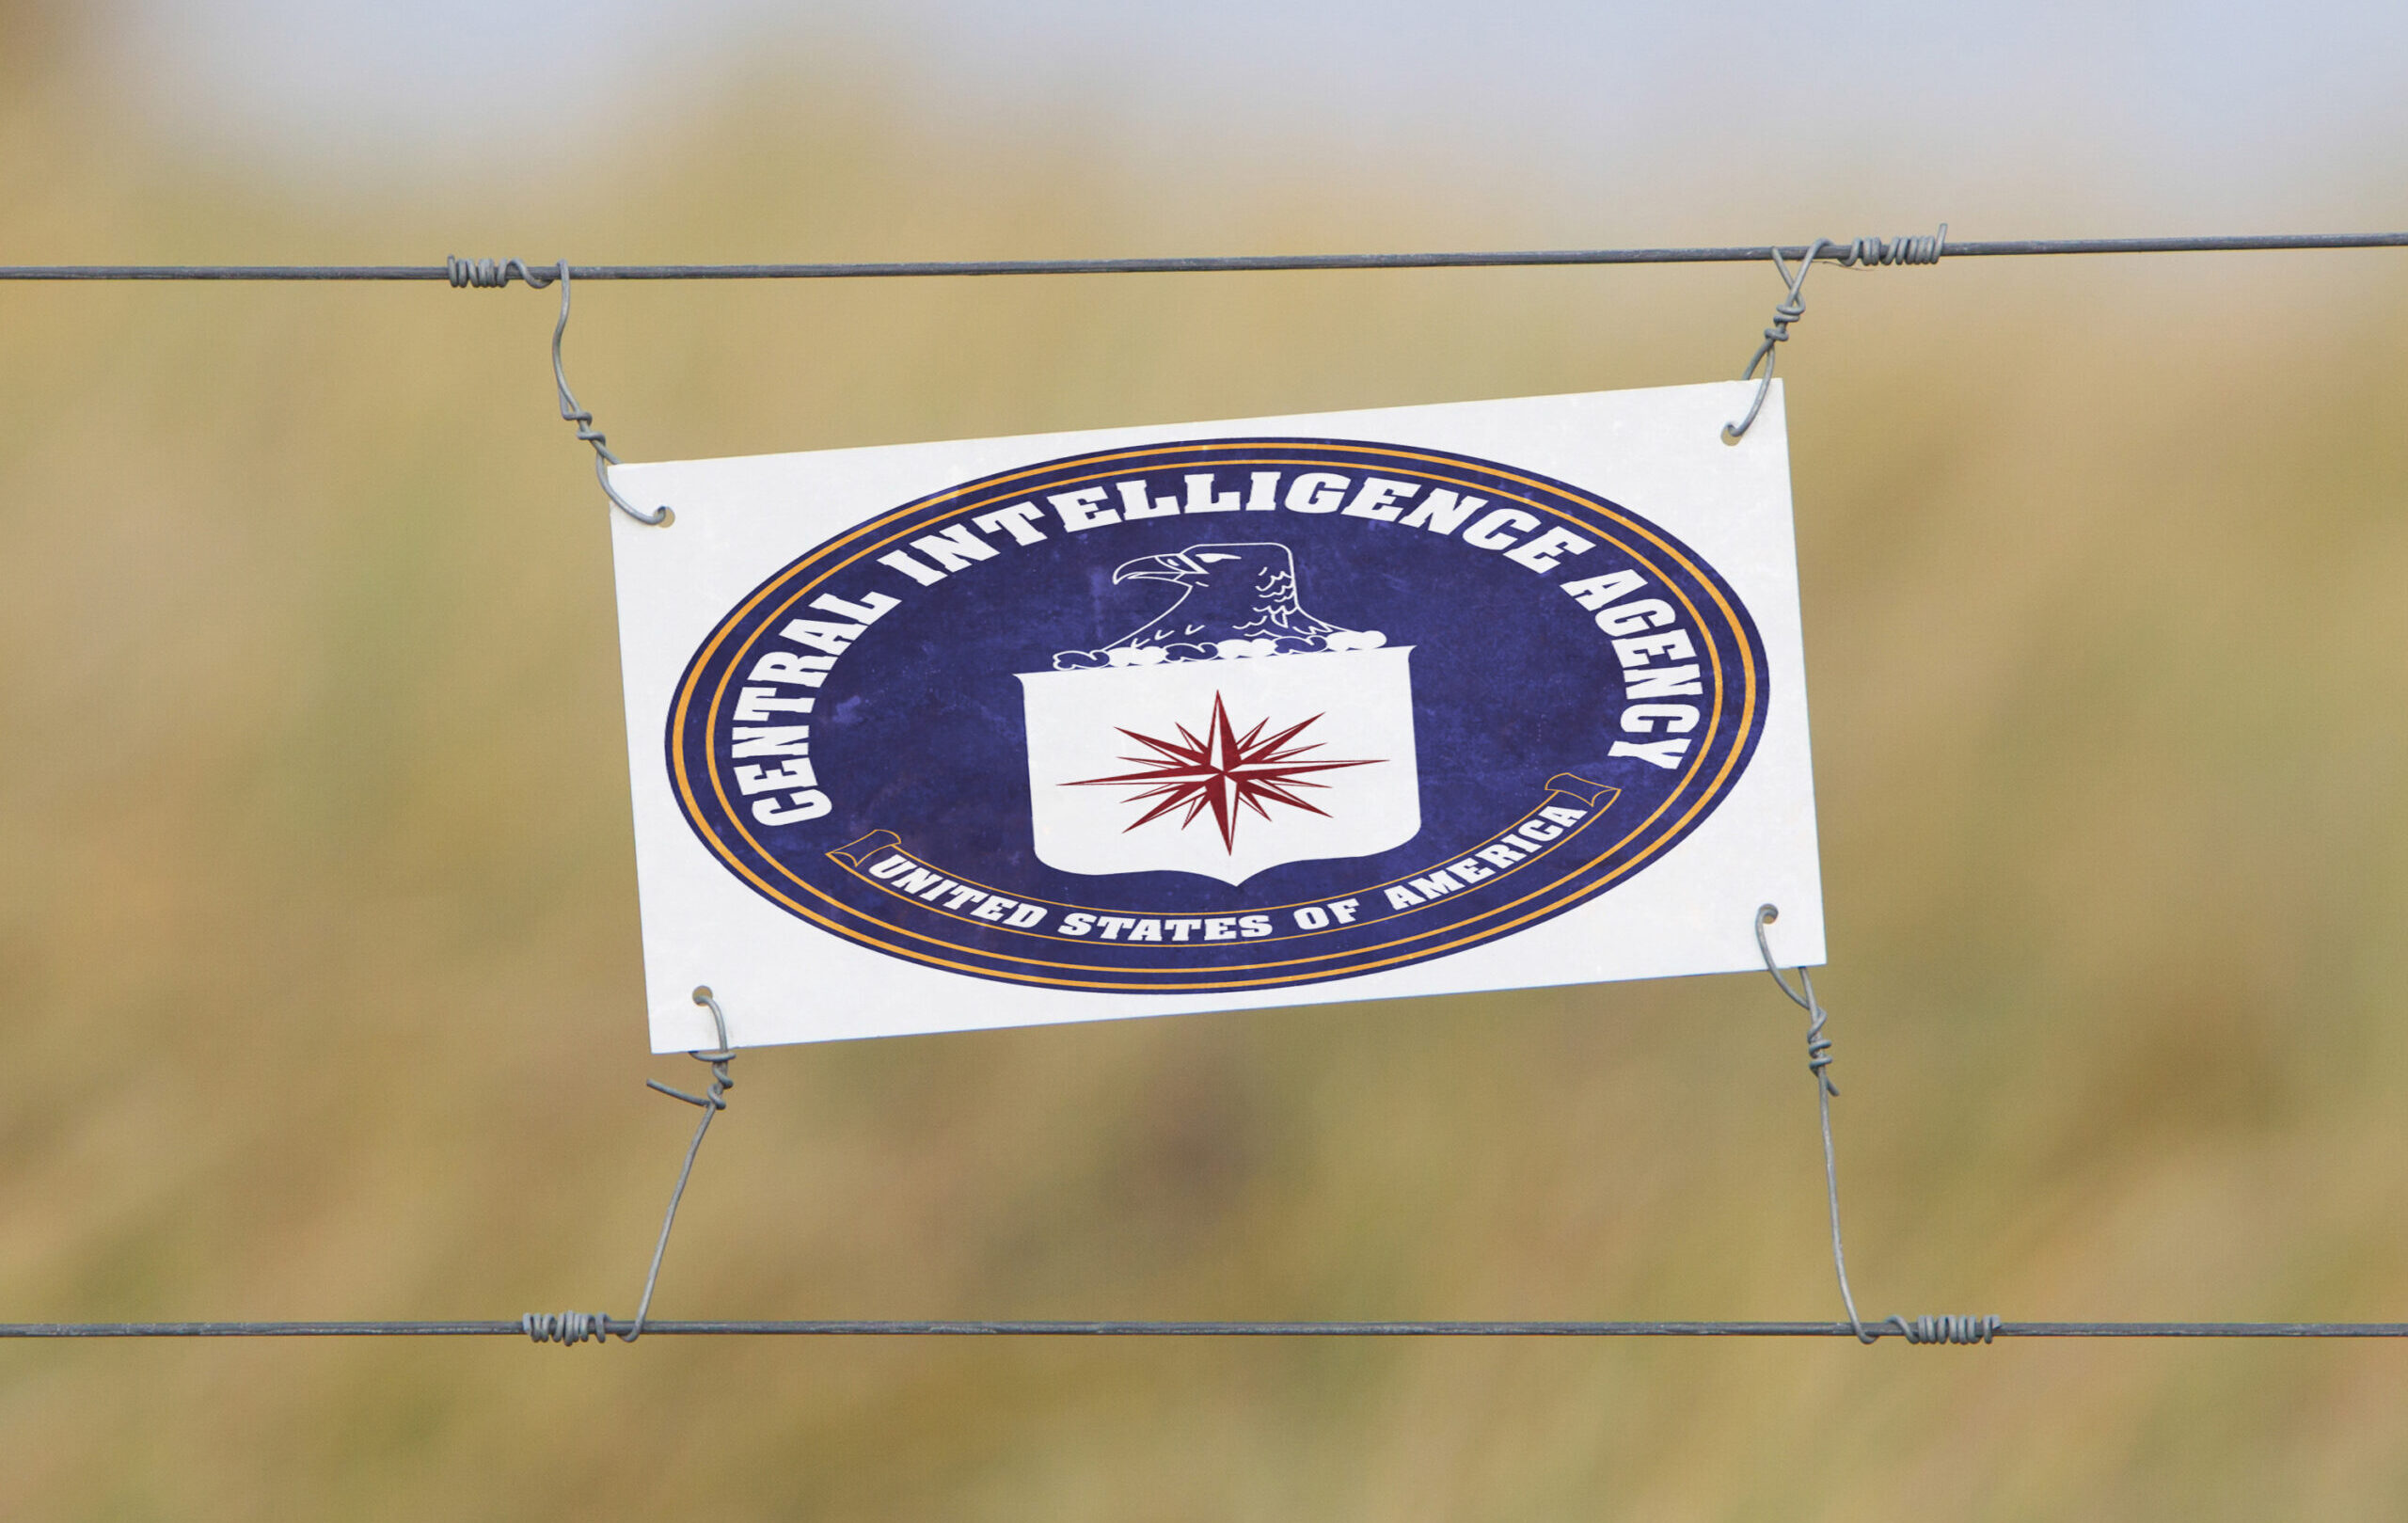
column 1221, row 715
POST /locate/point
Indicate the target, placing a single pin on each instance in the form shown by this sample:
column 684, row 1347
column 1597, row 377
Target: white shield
column 1223, row 767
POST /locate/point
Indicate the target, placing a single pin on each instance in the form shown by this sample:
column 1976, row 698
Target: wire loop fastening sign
column 577, row 1327
column 486, row 274
column 1818, row 1063
column 1859, row 254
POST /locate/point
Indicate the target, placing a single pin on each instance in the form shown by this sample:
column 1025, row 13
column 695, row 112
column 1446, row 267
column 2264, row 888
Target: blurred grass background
column 318, row 951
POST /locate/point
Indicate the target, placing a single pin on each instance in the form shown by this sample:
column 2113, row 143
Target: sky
column 2246, row 116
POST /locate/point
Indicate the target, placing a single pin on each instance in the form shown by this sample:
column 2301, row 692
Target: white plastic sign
column 1216, row 716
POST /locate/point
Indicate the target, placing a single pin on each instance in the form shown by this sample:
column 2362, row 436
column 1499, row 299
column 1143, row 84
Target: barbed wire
column 1209, row 265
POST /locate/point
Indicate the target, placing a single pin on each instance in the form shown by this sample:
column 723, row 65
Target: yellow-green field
column 318, row 983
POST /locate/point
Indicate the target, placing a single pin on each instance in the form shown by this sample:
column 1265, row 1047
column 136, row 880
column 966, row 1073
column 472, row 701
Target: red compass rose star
column 1220, row 772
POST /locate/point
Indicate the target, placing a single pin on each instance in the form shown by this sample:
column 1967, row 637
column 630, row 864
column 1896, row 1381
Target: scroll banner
column 1216, row 716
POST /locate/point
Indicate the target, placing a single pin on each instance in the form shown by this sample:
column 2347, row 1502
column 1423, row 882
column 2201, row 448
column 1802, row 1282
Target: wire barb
column 577, row 1327
column 489, row 274
column 1856, row 254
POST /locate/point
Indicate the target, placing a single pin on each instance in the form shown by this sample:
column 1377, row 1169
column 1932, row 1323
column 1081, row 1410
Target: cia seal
column 1218, row 714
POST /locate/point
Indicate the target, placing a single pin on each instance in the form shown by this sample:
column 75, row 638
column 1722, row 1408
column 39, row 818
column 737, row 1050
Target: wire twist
column 1818, row 1063
column 577, row 1327
column 565, row 1327
column 1910, row 250
column 1858, row 253
column 1947, row 1329
column 482, row 273
column 489, row 273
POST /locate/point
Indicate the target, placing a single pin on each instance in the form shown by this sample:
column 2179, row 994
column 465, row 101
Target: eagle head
column 1233, row 600
column 1246, row 566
